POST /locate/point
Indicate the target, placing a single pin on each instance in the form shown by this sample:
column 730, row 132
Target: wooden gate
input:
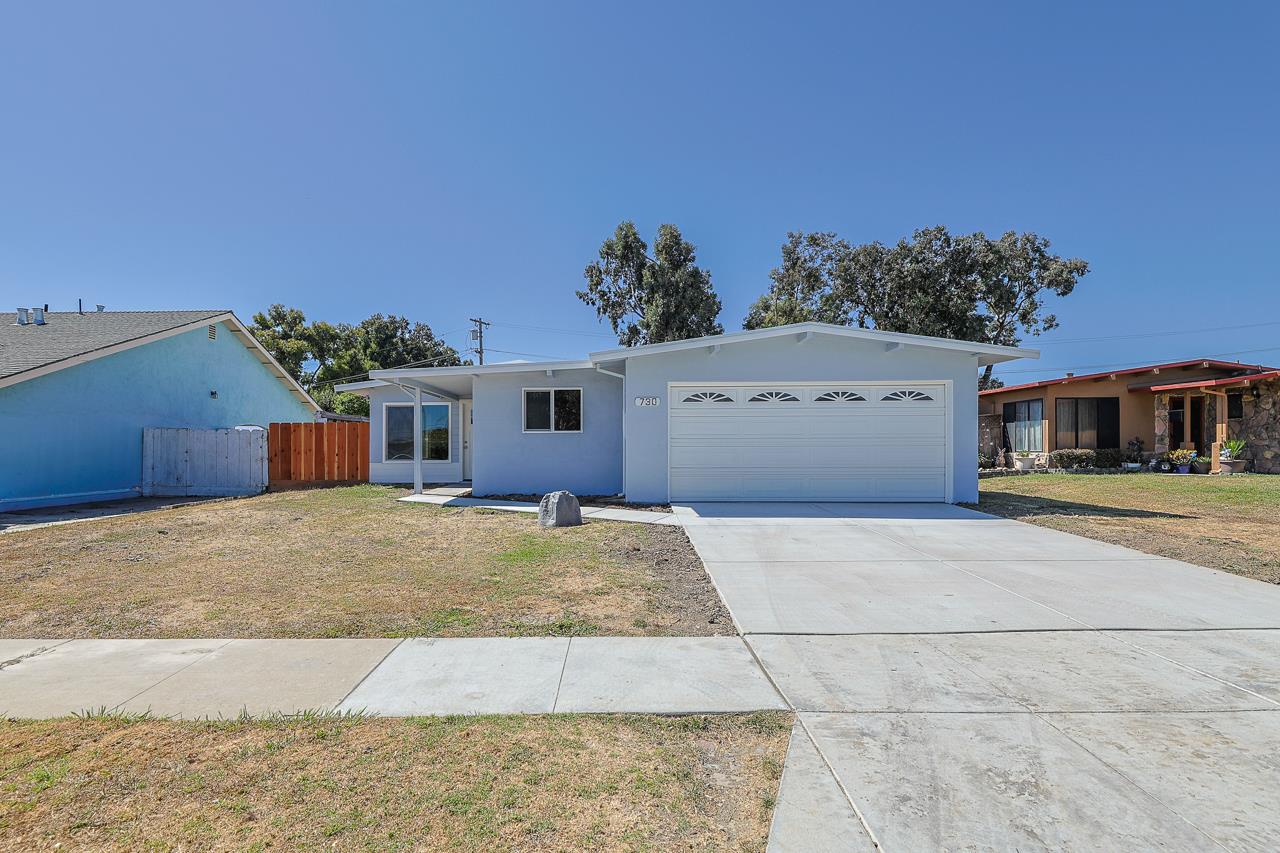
column 332, row 452
column 222, row 462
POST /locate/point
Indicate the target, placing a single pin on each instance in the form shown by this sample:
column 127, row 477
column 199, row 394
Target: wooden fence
column 331, row 452
column 224, row 462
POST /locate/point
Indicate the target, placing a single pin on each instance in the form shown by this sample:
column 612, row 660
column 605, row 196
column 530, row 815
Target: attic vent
column 213, row 332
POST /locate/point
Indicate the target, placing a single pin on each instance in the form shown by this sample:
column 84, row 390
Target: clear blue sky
column 444, row 161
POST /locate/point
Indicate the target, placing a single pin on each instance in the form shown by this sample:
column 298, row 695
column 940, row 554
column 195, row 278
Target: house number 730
column 648, row 401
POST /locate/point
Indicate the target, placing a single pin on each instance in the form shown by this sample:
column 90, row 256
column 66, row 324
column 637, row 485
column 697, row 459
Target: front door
column 466, row 440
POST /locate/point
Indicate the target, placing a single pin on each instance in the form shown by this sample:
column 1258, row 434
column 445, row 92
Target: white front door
column 466, row 439
column 868, row 441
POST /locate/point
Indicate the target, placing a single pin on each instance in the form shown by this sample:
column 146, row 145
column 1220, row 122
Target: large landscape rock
column 559, row 509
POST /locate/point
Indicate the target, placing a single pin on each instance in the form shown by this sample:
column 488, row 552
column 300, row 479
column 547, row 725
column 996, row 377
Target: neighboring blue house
column 809, row 411
column 76, row 391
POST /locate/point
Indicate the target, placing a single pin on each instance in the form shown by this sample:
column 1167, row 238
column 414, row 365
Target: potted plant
column 1180, row 459
column 1201, row 464
column 1024, row 460
column 1133, row 456
column 1230, row 457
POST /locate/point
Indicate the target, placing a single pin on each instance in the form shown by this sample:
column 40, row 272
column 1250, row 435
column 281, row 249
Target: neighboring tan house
column 801, row 412
column 1183, row 404
column 78, row 389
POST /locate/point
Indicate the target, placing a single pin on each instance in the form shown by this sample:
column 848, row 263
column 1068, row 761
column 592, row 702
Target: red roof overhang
column 1107, row 374
column 1214, row 383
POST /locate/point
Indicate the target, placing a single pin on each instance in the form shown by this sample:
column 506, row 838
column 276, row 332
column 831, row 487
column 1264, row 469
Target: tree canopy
column 966, row 287
column 666, row 297
column 320, row 354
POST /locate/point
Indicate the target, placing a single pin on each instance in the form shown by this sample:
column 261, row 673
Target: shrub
column 1107, row 457
column 1181, row 456
column 1072, row 458
column 985, row 461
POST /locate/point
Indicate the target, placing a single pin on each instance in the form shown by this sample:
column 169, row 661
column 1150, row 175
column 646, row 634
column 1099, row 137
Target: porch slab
column 262, row 677
column 663, row 675
column 81, row 675
column 500, row 675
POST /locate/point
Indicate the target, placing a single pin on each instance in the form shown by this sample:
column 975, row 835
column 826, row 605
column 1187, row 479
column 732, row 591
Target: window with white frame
column 397, row 432
column 553, row 410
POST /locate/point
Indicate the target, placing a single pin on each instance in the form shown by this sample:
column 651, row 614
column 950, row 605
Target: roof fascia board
column 249, row 340
column 978, row 349
column 392, row 373
column 94, row 355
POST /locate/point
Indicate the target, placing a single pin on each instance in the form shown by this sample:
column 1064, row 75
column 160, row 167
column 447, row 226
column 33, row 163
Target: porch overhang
column 1210, row 385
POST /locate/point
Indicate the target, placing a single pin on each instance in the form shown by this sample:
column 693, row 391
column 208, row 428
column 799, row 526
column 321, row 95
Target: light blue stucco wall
column 821, row 358
column 402, row 472
column 76, row 435
column 511, row 461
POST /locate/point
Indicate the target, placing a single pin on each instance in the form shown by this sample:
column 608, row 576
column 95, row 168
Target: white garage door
column 779, row 441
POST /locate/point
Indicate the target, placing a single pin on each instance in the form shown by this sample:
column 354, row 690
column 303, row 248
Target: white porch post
column 417, row 441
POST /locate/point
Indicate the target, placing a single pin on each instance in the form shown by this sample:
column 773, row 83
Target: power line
column 1122, row 364
column 549, row 329
column 533, row 354
column 1161, row 334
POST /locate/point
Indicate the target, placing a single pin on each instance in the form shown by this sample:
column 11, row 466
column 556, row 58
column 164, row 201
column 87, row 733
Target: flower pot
column 1233, row 466
column 1201, row 467
column 1024, row 463
column 1184, row 469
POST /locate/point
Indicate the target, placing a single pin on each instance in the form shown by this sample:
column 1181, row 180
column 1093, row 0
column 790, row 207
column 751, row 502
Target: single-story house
column 808, row 411
column 77, row 390
column 1194, row 404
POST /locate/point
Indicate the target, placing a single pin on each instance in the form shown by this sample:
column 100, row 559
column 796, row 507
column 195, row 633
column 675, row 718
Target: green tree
column 966, row 287
column 646, row 300
column 320, row 355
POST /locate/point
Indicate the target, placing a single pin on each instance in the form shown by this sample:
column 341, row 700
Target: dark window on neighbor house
column 553, row 410
column 1088, row 422
column 1024, row 426
column 1235, row 405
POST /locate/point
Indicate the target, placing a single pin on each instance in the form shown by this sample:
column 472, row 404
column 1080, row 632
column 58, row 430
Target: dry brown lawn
column 349, row 562
column 476, row 783
column 1227, row 523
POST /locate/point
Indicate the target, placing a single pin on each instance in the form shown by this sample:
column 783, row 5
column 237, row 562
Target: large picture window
column 397, row 432
column 553, row 410
column 1087, row 422
column 1024, row 426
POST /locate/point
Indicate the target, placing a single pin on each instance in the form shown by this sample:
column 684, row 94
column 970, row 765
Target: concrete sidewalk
column 223, row 678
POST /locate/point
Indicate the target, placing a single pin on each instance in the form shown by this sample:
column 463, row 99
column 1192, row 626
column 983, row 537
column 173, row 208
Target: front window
column 553, row 410
column 1235, row 406
column 1024, row 426
column 1092, row 423
column 398, row 432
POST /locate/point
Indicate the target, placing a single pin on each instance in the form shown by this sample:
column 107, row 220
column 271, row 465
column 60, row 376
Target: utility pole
column 477, row 335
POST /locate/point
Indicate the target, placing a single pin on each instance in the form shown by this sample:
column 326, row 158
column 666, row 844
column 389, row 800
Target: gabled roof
column 985, row 353
column 1128, row 371
column 68, row 338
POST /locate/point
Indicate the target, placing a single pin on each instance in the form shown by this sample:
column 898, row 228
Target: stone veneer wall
column 990, row 434
column 1162, row 423
column 1260, row 427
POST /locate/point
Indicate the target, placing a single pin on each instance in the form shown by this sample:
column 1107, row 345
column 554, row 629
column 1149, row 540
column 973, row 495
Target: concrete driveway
column 967, row 682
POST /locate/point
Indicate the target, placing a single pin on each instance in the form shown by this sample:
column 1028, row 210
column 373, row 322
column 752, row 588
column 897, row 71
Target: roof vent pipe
column 22, row 316
column 100, row 308
column 39, row 318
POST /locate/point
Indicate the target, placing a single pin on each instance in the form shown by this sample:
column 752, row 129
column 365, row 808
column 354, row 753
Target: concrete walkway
column 591, row 513
column 195, row 679
column 966, row 682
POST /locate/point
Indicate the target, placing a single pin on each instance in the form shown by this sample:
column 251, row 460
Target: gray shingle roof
column 67, row 334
